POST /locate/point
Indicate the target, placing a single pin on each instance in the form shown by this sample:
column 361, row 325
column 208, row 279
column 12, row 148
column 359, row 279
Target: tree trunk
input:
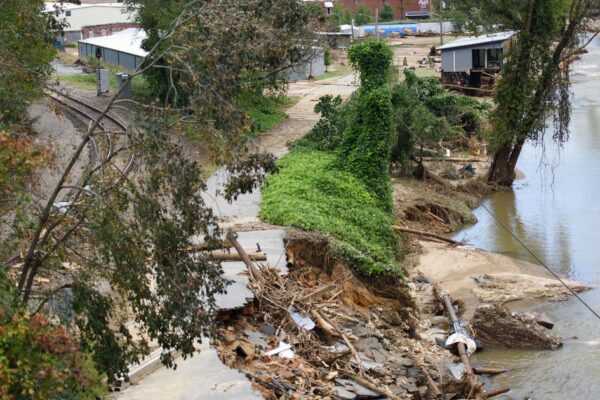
column 500, row 172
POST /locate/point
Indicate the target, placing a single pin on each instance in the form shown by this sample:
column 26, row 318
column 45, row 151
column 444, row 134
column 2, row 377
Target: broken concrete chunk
column 344, row 394
column 496, row 326
column 302, row 320
column 360, row 391
column 544, row 320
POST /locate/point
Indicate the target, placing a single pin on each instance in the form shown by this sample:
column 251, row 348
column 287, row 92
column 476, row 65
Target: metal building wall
column 461, row 59
column 125, row 60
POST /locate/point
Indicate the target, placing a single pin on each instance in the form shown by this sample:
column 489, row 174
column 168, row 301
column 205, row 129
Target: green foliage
column 425, row 113
column 362, row 15
column 265, row 112
column 312, row 194
column 25, row 54
column 372, row 60
column 327, row 133
column 342, row 15
column 327, row 58
column 387, row 13
column 367, row 141
column 39, row 361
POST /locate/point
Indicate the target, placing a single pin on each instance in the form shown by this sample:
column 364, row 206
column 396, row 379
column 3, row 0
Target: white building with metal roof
column 475, row 53
column 122, row 48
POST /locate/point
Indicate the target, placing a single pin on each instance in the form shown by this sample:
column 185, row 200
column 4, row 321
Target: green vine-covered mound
column 312, row 194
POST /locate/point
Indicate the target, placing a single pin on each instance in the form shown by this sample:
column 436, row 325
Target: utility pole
column 377, row 23
column 352, row 27
column 440, row 16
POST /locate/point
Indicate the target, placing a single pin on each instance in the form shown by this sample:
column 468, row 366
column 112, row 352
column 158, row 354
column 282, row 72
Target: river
column 555, row 210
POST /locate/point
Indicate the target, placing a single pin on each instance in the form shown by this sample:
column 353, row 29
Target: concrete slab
column 202, row 377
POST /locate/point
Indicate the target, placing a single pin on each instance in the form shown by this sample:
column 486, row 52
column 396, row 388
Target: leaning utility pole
column 377, row 23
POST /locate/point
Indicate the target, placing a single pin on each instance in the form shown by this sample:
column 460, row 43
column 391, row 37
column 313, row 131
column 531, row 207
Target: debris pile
column 498, row 326
column 307, row 338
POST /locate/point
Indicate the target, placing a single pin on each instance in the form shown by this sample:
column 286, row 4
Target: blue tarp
column 386, row 30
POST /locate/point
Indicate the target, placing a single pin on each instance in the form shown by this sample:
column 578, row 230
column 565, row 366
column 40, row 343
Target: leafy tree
column 39, row 361
column 253, row 43
column 25, row 54
column 387, row 13
column 115, row 241
column 341, row 15
column 327, row 58
column 362, row 15
column 426, row 113
column 535, row 80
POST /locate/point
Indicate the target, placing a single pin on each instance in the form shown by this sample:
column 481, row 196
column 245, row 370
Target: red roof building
column 402, row 8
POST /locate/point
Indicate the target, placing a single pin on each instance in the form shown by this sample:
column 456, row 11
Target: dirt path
column 302, row 116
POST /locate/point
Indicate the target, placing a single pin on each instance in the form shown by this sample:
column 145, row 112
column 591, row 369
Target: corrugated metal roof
column 127, row 41
column 477, row 40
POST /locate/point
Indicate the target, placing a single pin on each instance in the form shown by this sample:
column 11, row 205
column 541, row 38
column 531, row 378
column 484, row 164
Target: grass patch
column 266, row 112
column 339, row 71
column 311, row 194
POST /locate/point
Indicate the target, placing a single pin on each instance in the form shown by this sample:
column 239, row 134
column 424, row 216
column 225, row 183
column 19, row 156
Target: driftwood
column 370, row 385
column 491, row 393
column 319, row 291
column 341, row 334
column 426, row 234
column 455, row 159
column 222, row 256
column 488, row 371
column 255, row 273
column 434, row 388
column 225, row 244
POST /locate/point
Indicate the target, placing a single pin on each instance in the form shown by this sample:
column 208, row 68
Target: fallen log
column 225, row 244
column 255, row 273
column 397, row 228
column 222, row 256
column 491, row 393
column 488, row 371
column 462, row 348
column 455, row 159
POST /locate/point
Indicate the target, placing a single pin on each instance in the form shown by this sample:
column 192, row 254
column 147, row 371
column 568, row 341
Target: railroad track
column 84, row 109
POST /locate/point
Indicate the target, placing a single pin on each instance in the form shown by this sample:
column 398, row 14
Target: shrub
column 387, row 13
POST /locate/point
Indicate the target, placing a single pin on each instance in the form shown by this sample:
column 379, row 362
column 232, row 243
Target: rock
column 440, row 321
column 344, row 394
column 267, row 329
column 391, row 317
column 360, row 391
column 496, row 326
column 256, row 338
column 544, row 320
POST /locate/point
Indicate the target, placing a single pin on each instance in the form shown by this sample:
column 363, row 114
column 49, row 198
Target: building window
column 68, row 13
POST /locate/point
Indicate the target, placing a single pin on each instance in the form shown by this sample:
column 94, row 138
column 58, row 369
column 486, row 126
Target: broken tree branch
column 426, row 234
column 222, row 256
column 255, row 273
column 345, row 339
column 370, row 385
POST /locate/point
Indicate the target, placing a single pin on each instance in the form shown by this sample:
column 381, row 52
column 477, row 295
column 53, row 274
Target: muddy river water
column 555, row 210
